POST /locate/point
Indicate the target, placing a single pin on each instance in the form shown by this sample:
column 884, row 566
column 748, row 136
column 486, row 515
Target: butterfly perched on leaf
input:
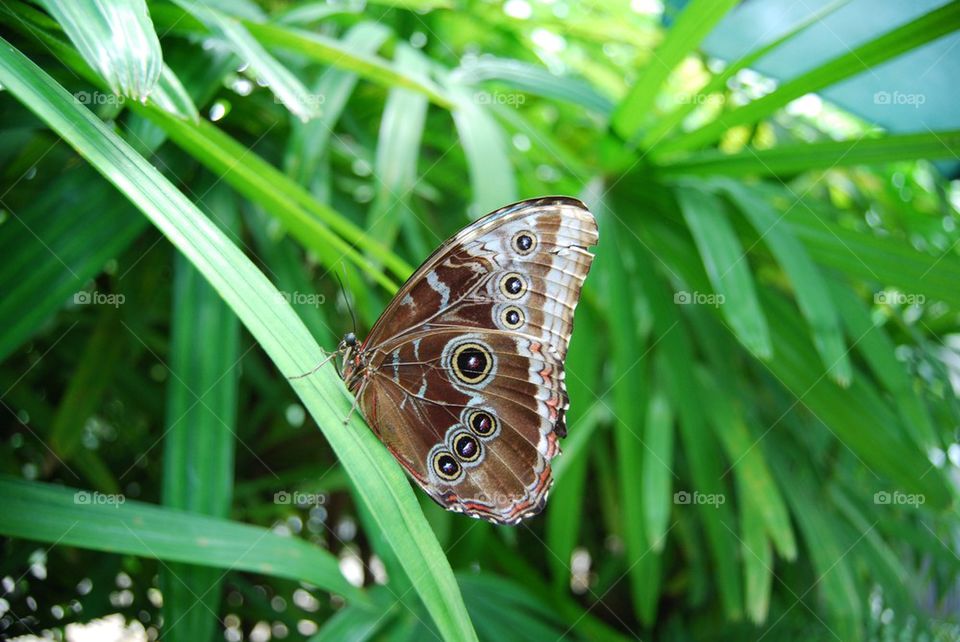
column 462, row 377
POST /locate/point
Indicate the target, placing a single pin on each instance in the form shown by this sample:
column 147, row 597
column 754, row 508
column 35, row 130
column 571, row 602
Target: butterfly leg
column 353, row 407
column 356, row 400
column 322, row 363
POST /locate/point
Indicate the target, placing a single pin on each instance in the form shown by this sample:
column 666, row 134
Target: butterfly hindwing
column 464, row 371
column 424, row 404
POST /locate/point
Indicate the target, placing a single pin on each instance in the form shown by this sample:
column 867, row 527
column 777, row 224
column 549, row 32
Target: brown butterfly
column 462, row 376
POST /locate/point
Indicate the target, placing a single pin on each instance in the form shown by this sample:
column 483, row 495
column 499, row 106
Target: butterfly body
column 462, row 375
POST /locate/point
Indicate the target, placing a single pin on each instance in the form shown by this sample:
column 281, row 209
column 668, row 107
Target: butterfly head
column 353, row 366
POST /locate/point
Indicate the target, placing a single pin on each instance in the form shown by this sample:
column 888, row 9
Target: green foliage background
column 762, row 433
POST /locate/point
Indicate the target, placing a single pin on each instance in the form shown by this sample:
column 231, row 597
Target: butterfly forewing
column 462, row 376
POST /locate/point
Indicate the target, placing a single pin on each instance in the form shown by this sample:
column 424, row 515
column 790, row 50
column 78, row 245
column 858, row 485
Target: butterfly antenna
column 346, row 299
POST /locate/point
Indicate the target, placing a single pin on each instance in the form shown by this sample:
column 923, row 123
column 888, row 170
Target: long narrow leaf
column 70, row 517
column 657, row 467
column 813, row 297
column 373, row 472
column 285, row 86
column 699, row 446
column 629, row 398
column 935, row 24
column 78, row 251
column 878, row 351
column 492, row 180
column 570, row 470
column 726, row 264
column 535, row 80
column 310, row 141
column 785, row 160
column 332, row 52
column 201, row 427
column 691, row 27
column 718, row 83
column 116, row 39
column 398, row 149
column 754, row 480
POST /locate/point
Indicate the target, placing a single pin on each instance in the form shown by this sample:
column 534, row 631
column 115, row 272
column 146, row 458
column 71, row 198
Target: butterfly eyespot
column 466, row 447
column 446, row 466
column 471, row 362
column 482, row 423
column 512, row 317
column 524, row 242
column 512, row 285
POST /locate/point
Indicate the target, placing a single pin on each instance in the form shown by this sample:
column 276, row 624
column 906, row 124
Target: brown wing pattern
column 464, row 370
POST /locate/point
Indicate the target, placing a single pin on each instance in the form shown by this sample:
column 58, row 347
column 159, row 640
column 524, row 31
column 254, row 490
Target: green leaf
column 857, row 416
column 677, row 376
column 313, row 12
column 898, row 577
column 245, row 9
column 116, row 39
column 576, row 617
column 938, row 22
column 374, row 474
column 112, row 523
column 170, row 95
column 785, row 160
column 88, row 383
column 284, row 85
column 689, row 30
column 877, row 350
column 718, row 83
column 810, row 287
column 312, row 223
column 310, row 141
column 284, row 262
column 657, row 471
column 871, row 257
column 565, row 510
column 333, row 52
column 757, row 557
column 492, row 180
column 64, row 251
column 834, row 575
column 754, row 480
column 533, row 79
column 398, row 149
column 508, row 611
column 201, row 429
column 360, row 621
column 728, row 269
column 629, row 398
